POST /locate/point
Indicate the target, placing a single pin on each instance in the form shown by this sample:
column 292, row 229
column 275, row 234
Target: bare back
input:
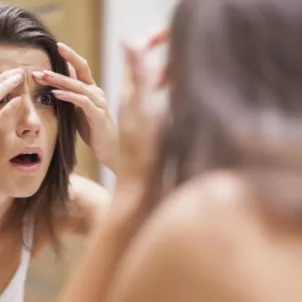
column 210, row 242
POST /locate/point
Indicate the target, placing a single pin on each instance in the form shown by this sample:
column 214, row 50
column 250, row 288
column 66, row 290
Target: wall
column 127, row 20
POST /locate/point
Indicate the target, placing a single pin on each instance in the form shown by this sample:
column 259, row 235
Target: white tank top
column 14, row 292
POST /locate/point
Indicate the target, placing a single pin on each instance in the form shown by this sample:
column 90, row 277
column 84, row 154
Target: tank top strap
column 15, row 289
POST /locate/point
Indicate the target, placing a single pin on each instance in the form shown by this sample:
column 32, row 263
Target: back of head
column 236, row 73
column 235, row 79
column 20, row 27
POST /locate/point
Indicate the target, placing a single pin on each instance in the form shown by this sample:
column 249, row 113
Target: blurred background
column 94, row 28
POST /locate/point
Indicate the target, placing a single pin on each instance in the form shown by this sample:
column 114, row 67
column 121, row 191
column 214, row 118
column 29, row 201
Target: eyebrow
column 43, row 89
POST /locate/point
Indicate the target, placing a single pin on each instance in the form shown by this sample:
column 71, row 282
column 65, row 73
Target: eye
column 45, row 99
column 5, row 100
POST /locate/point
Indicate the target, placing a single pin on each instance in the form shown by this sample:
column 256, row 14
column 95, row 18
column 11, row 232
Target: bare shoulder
column 88, row 194
column 197, row 204
column 194, row 228
column 88, row 206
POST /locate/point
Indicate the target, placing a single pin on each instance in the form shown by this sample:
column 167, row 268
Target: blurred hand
column 141, row 115
column 157, row 39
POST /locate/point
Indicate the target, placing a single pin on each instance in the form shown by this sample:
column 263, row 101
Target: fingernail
column 58, row 92
column 62, row 46
column 38, row 74
column 17, row 78
column 49, row 73
column 20, row 70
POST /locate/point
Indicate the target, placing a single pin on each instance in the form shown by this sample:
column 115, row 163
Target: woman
column 230, row 229
column 40, row 201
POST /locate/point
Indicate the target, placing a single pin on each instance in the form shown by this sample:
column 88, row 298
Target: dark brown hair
column 236, row 86
column 20, row 27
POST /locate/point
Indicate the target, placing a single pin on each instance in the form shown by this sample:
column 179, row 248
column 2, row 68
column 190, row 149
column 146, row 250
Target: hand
column 9, row 80
column 140, row 120
column 93, row 120
column 141, row 116
column 155, row 40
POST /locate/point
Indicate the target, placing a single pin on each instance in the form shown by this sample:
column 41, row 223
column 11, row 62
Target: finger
column 50, row 78
column 60, row 81
column 81, row 101
column 127, row 86
column 39, row 78
column 72, row 71
column 137, row 70
column 9, row 109
column 4, row 75
column 10, row 84
column 83, row 72
column 158, row 38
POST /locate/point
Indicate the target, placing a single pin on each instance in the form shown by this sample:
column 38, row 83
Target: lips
column 29, row 157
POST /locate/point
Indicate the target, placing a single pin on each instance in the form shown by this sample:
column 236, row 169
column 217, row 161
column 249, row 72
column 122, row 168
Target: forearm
column 106, row 246
column 111, row 161
column 111, row 158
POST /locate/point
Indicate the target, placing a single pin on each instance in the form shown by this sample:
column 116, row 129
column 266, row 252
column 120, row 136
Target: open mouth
column 26, row 159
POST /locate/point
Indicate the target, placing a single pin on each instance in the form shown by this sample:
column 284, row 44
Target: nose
column 30, row 122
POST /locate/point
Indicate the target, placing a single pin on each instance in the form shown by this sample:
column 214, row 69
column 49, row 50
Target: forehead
column 28, row 58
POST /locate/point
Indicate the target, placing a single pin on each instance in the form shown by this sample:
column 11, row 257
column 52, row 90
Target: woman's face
column 32, row 132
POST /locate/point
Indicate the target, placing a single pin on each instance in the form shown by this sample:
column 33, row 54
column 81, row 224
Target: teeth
column 30, row 153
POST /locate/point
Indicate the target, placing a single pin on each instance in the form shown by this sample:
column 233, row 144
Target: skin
column 93, row 120
column 140, row 121
column 208, row 240
column 27, row 119
column 34, row 124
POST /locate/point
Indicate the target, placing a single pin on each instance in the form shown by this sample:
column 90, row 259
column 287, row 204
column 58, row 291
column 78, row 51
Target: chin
column 26, row 191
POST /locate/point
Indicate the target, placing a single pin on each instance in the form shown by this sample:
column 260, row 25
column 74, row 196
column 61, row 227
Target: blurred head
column 236, row 74
column 41, row 123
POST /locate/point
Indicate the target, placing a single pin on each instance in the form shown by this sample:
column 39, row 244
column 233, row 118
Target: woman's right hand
column 9, row 80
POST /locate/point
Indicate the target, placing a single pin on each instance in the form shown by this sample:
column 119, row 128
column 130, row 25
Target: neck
column 5, row 205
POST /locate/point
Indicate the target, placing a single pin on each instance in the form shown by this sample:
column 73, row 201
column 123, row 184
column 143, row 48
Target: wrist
column 128, row 197
column 110, row 162
column 111, row 158
column 132, row 186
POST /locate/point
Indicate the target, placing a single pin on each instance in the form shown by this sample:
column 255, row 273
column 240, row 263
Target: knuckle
column 84, row 63
column 84, row 87
column 102, row 100
column 86, row 99
column 100, row 91
column 97, row 91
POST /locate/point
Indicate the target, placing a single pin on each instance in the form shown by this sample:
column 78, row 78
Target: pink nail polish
column 38, row 74
column 63, row 47
column 58, row 92
column 49, row 73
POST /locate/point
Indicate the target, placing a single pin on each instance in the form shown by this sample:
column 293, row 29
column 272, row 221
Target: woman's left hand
column 142, row 115
column 93, row 120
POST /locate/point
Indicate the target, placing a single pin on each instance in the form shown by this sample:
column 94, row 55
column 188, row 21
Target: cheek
column 50, row 125
column 3, row 141
column 7, row 138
